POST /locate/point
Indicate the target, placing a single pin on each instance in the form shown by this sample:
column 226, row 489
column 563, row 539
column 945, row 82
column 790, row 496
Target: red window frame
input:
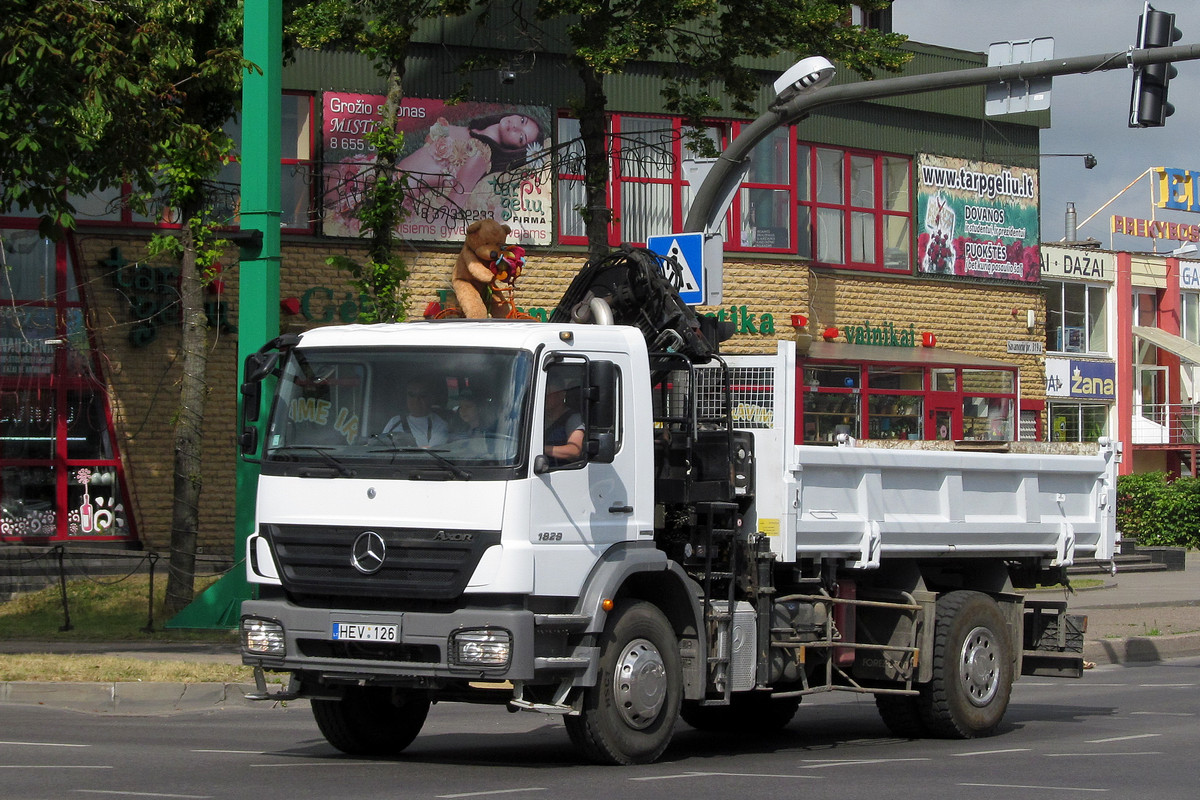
column 848, row 207
column 63, row 380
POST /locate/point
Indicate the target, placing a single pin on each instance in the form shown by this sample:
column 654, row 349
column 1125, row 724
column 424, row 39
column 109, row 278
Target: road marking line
column 1162, row 713
column 1039, row 788
column 1101, row 755
column 43, row 744
column 495, row 791
column 144, row 794
column 821, row 764
column 1124, row 738
column 722, row 775
column 329, row 763
column 1165, row 685
column 55, row 766
column 992, row 752
column 235, row 752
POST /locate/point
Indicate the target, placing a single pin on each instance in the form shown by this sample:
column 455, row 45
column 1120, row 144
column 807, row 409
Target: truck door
column 578, row 509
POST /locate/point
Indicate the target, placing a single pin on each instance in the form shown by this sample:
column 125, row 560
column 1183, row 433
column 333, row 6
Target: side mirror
column 601, row 446
column 251, row 400
column 602, row 397
column 259, row 365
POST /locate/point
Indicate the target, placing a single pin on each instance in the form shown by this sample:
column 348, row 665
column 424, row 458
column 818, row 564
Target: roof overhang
column 1170, row 342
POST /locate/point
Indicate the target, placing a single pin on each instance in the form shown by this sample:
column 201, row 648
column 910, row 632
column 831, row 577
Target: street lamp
column 805, row 75
column 714, row 193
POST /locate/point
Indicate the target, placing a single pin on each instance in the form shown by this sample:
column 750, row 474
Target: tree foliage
column 1158, row 512
column 88, row 90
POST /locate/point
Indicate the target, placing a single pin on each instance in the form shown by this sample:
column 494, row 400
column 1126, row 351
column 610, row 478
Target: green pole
column 258, row 279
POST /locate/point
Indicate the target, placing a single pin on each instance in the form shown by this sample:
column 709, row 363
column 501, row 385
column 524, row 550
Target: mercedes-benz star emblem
column 368, row 553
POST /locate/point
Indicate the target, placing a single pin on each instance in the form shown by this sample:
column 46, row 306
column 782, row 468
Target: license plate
column 364, row 632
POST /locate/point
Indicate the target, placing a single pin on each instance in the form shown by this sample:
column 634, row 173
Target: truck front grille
column 417, row 563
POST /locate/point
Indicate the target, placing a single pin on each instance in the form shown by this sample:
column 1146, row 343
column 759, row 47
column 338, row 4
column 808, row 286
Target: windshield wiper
column 455, row 469
column 323, row 452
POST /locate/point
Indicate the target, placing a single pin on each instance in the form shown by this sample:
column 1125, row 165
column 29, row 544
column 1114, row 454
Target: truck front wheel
column 972, row 668
column 628, row 716
column 371, row 720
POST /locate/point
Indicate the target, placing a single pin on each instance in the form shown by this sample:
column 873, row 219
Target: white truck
column 693, row 562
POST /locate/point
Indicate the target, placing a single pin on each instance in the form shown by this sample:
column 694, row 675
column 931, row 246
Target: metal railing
column 1166, row 423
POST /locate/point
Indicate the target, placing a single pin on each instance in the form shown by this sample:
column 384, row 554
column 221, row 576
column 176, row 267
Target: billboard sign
column 463, row 163
column 977, row 219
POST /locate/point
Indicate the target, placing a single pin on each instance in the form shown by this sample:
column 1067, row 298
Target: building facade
column 883, row 235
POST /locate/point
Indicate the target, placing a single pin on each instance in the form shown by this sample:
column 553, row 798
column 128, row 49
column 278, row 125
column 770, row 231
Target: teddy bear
column 473, row 273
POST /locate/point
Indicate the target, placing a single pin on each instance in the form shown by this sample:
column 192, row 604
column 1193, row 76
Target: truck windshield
column 358, row 412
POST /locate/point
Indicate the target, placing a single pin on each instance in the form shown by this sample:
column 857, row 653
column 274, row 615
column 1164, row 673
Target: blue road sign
column 688, row 251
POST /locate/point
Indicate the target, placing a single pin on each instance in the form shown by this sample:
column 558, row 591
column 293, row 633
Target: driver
column 422, row 422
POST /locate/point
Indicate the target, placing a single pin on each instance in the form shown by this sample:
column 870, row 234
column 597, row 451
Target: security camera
column 803, row 76
column 508, row 76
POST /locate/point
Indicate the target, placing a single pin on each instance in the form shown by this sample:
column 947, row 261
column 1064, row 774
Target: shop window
column 987, row 416
column 1076, row 317
column 1077, row 422
column 831, row 402
column 895, row 403
column 60, row 476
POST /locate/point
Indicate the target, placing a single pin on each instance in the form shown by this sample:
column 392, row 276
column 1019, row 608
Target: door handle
column 620, row 509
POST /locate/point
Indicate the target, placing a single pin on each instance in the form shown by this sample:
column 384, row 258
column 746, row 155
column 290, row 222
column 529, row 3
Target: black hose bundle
column 632, row 283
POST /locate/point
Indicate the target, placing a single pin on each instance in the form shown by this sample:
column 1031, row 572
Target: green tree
column 95, row 94
column 87, row 93
column 707, row 46
column 206, row 47
column 381, row 30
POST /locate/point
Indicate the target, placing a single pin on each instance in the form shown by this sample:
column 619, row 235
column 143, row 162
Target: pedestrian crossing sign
column 687, row 250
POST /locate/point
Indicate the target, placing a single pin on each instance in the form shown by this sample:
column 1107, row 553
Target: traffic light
column 1148, row 106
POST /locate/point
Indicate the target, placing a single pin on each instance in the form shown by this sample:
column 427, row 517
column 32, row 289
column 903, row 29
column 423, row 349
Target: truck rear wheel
column 371, row 720
column 972, row 668
column 745, row 714
column 628, row 716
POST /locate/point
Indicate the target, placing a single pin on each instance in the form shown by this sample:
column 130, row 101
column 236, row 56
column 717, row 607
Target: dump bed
column 866, row 503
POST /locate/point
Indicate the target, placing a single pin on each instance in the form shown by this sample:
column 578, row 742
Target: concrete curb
column 133, row 698
column 1141, row 649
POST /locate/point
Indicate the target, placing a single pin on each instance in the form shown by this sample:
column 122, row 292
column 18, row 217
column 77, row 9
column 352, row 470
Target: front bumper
column 421, row 653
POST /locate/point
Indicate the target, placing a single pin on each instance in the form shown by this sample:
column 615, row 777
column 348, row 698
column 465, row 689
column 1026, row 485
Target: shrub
column 1159, row 512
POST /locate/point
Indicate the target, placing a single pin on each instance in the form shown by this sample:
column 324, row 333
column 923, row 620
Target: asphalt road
column 1121, row 731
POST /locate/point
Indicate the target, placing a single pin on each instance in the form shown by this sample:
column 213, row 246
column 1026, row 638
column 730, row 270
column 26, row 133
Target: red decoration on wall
column 830, row 333
column 290, row 305
column 799, row 320
column 928, row 339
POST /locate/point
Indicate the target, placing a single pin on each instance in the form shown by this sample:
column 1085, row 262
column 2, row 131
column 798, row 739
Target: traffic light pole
column 726, row 171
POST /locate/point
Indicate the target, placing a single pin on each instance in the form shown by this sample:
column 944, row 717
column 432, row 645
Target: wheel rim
column 979, row 666
column 640, row 683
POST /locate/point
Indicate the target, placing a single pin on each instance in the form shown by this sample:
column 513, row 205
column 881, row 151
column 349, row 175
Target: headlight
column 261, row 637
column 487, row 648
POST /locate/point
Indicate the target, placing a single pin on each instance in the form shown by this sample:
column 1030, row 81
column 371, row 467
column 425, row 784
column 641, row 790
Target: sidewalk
column 1133, row 617
column 1142, row 616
